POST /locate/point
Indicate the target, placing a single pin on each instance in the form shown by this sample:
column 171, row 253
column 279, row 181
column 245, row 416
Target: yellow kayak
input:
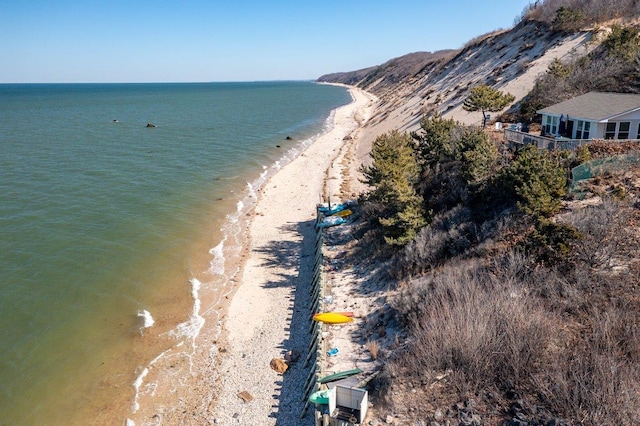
column 332, row 318
column 344, row 213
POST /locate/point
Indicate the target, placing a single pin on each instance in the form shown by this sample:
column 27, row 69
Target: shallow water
column 106, row 223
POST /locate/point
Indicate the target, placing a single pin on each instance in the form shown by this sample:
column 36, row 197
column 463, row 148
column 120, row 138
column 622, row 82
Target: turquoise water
column 103, row 219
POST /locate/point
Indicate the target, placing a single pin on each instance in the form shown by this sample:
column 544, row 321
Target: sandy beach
column 269, row 312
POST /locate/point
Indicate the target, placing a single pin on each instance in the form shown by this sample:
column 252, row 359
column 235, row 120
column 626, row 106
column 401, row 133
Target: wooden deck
column 517, row 138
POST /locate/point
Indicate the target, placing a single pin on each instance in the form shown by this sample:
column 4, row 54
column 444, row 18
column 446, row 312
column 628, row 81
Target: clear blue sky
column 228, row 40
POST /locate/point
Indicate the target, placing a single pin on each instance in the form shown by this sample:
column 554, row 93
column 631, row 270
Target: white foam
column 148, row 319
column 251, row 192
column 191, row 328
column 216, row 266
column 136, row 385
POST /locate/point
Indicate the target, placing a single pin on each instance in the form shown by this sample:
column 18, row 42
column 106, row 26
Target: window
column 610, row 131
column 587, row 130
column 554, row 125
column 579, row 129
column 623, row 130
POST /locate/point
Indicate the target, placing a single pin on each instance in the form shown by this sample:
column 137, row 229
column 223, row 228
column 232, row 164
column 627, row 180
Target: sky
column 65, row 41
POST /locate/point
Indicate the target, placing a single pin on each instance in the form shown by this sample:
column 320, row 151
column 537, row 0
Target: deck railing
column 517, row 138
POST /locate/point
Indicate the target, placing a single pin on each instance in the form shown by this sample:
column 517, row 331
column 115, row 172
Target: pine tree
column 393, row 174
column 537, row 180
column 478, row 154
column 435, row 141
column 486, row 99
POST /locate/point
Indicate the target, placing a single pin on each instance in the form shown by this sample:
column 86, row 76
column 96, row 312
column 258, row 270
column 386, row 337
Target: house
column 594, row 115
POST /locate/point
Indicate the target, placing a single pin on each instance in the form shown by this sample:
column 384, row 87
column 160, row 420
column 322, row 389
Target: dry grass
column 563, row 342
column 373, row 346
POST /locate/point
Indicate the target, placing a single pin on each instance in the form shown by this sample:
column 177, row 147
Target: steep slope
column 391, row 73
column 414, row 85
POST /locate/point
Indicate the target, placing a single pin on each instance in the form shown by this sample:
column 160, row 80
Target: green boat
column 320, row 397
column 341, row 375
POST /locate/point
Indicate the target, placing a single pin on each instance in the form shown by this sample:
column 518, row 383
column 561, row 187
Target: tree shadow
column 294, row 256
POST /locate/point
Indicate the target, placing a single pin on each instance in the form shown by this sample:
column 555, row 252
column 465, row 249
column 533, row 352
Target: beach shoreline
column 262, row 312
column 268, row 315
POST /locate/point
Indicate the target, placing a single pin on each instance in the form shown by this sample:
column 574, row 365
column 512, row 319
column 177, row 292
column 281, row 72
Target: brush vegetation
column 526, row 313
column 513, row 301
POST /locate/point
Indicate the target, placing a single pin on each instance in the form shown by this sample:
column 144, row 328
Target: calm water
column 104, row 221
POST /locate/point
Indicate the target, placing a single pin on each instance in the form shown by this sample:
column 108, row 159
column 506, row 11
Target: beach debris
column 333, row 352
column 292, row 356
column 279, row 365
column 245, row 396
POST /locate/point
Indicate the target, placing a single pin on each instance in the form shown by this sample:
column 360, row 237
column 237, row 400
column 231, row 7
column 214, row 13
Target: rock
column 289, row 138
column 292, row 356
column 279, row 365
column 151, row 125
column 438, row 415
column 245, row 396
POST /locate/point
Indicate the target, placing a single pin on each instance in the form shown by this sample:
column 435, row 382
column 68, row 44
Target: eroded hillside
column 414, row 85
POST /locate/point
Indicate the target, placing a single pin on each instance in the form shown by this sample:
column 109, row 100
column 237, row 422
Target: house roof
column 596, row 106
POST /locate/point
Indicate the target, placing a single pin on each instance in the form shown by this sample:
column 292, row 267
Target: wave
column 191, row 328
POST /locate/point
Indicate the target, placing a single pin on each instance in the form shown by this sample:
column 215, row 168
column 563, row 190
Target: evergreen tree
column 486, row 99
column 393, row 175
column 435, row 141
column 537, row 180
column 478, row 154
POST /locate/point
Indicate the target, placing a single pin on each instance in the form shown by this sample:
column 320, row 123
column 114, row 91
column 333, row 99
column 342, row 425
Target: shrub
column 537, row 180
column 558, row 69
column 568, row 19
column 598, row 382
column 465, row 320
column 623, row 42
column 447, row 236
column 373, row 346
column 551, row 242
column 603, row 231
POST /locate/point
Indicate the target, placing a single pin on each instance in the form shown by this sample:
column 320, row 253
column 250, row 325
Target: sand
column 269, row 313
